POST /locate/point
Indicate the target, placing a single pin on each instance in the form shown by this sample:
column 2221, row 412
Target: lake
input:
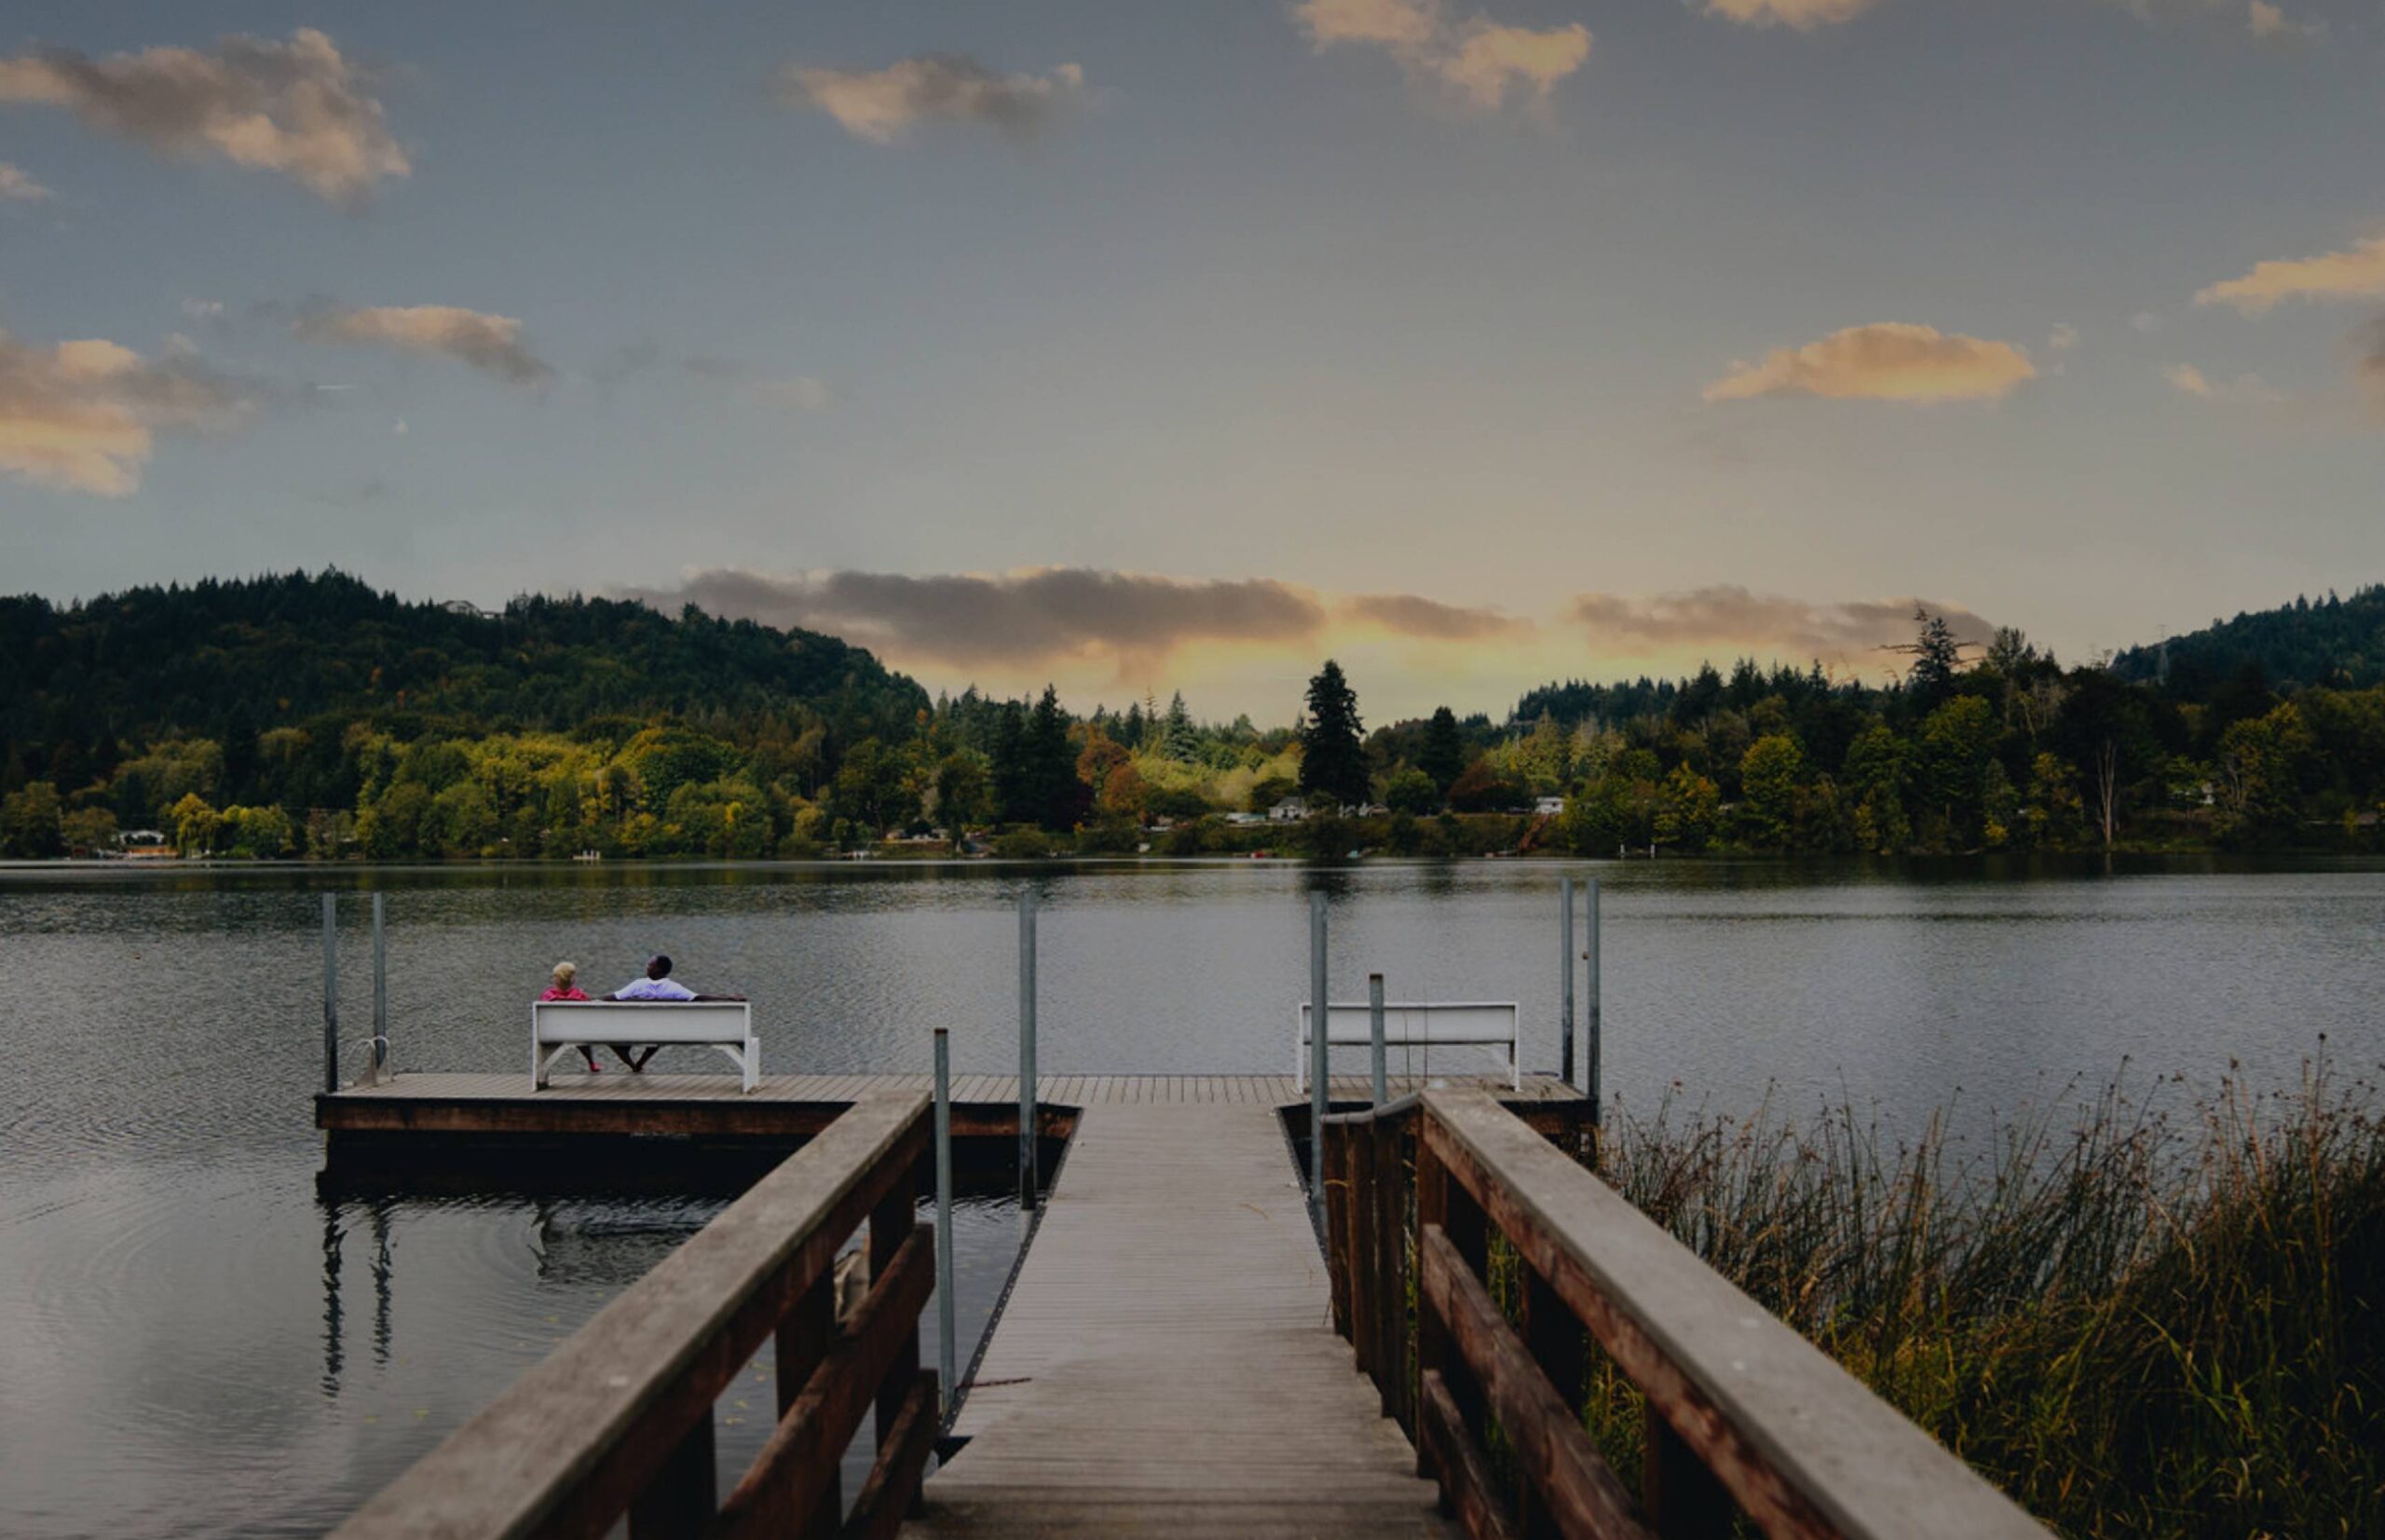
column 191, row 1343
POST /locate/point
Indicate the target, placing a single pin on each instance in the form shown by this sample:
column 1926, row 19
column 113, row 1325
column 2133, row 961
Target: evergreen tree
column 1442, row 753
column 1178, row 740
column 1333, row 760
column 1935, row 657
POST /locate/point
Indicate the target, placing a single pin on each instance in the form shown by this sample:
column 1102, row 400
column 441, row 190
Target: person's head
column 564, row 974
column 658, row 966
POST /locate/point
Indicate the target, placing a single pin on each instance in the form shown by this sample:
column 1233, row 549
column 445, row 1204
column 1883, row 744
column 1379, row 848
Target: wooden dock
column 1167, row 1364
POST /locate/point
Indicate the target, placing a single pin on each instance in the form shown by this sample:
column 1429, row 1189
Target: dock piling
column 945, row 1348
column 331, row 993
column 1318, row 1036
column 1591, row 1089
column 1027, row 1100
column 380, row 1065
column 1375, row 1035
column 1565, row 997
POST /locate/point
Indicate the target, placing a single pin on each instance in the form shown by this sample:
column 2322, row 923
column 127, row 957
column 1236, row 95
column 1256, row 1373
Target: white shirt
column 654, row 989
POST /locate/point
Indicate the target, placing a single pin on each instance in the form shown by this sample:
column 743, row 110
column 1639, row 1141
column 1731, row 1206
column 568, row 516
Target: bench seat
column 557, row 1027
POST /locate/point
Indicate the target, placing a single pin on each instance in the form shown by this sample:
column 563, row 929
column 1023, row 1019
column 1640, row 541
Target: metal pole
column 1374, row 1034
column 945, row 1352
column 1318, row 1032
column 331, row 992
column 1591, row 951
column 381, row 988
column 1026, row 1048
column 1565, row 997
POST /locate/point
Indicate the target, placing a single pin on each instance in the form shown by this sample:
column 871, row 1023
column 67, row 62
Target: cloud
column 82, row 416
column 2244, row 389
column 297, row 107
column 1036, row 615
column 492, row 344
column 2266, row 20
column 2368, row 360
column 2144, row 321
column 794, row 392
column 2356, row 274
column 1429, row 619
column 1803, row 15
column 1479, row 62
column 1733, row 619
column 203, row 309
column 2062, row 339
column 1887, row 360
column 16, row 186
column 883, row 105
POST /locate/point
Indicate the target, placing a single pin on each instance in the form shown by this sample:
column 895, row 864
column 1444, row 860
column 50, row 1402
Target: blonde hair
column 565, row 972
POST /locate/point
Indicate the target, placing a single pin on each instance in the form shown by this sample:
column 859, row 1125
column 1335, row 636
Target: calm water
column 192, row 1344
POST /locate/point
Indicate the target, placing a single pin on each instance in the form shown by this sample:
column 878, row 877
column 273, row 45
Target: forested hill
column 2331, row 641
column 223, row 659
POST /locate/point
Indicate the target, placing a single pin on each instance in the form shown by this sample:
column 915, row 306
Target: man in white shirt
column 658, row 984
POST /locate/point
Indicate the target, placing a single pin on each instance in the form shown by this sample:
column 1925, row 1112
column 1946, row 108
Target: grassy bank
column 2141, row 1323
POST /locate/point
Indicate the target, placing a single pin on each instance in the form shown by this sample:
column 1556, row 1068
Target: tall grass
column 2136, row 1323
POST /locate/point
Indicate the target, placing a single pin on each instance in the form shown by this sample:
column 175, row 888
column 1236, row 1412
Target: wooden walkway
column 1060, row 1090
column 1167, row 1364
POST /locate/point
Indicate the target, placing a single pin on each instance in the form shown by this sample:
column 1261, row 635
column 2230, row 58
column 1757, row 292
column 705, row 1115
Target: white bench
column 1416, row 1025
column 557, row 1027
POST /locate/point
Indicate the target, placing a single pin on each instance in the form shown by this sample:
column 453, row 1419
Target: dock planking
column 1166, row 1363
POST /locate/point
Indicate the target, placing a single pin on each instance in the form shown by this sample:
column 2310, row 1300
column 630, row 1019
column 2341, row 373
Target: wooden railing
column 619, row 1419
column 1743, row 1415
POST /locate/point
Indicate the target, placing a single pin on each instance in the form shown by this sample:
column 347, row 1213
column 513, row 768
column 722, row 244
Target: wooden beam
column 1803, row 1447
column 892, row 1488
column 787, row 1479
column 1467, row 1487
column 1579, row 1493
column 578, row 1436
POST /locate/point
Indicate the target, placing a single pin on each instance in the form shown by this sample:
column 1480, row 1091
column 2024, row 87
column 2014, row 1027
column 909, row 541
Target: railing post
column 1680, row 1496
column 890, row 1224
column 1319, row 1031
column 1391, row 1252
column 805, row 1335
column 1027, row 1049
column 1591, row 1089
column 381, row 988
column 331, row 992
column 684, row 1494
column 945, row 1352
column 1374, row 1035
column 1432, row 1337
column 1358, row 1149
column 1565, row 997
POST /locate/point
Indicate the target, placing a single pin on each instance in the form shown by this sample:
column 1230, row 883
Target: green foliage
column 2135, row 1326
column 28, row 822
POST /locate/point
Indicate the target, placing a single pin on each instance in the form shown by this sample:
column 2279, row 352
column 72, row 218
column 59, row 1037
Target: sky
column 1145, row 349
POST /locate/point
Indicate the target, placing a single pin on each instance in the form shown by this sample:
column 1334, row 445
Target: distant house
column 1291, row 810
column 1548, row 806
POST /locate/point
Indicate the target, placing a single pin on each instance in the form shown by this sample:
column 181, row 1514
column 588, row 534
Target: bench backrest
column 643, row 1020
column 1351, row 1024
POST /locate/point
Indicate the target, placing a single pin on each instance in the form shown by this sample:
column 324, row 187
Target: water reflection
column 193, row 1342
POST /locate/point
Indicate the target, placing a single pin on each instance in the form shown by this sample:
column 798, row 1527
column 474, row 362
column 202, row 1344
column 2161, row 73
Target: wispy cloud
column 492, row 344
column 788, row 392
column 1730, row 619
column 14, row 184
column 1429, row 619
column 1036, row 617
column 1481, row 62
column 2356, row 274
column 2244, row 389
column 882, row 106
column 1887, row 360
column 83, row 415
column 298, row 108
column 2266, row 20
column 1803, row 15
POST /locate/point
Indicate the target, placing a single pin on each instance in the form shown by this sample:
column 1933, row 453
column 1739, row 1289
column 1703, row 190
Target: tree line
column 312, row 716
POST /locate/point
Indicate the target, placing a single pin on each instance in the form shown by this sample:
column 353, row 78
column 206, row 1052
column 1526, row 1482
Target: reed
column 2136, row 1322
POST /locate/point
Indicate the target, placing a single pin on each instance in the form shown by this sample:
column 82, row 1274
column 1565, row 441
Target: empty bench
column 558, row 1026
column 1416, row 1025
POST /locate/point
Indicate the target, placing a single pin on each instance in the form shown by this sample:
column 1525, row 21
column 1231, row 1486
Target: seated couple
column 658, row 984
